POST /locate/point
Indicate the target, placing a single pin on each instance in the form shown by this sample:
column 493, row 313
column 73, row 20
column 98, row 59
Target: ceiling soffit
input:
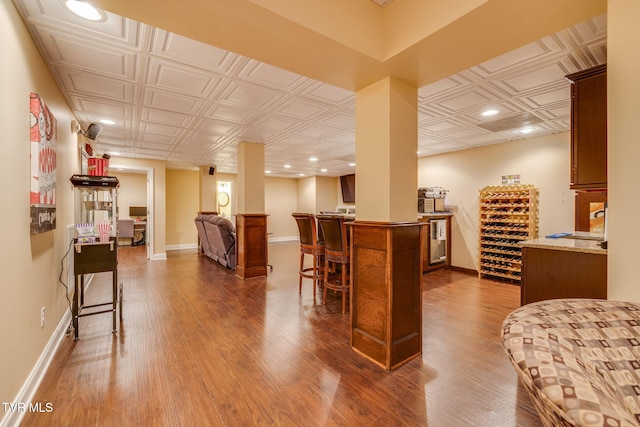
column 278, row 32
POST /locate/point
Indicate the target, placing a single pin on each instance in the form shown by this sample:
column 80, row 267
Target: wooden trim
column 586, row 73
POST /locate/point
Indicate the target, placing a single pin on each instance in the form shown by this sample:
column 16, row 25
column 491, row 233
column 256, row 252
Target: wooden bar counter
column 563, row 268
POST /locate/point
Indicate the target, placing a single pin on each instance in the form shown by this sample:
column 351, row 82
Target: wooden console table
column 252, row 257
column 386, row 298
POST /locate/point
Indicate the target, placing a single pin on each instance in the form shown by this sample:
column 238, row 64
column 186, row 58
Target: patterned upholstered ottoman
column 579, row 360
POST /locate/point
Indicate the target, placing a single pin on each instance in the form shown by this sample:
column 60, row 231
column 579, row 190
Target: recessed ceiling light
column 287, row 166
column 113, row 153
column 267, row 171
column 526, row 130
column 352, row 164
column 84, row 10
column 489, row 113
column 107, row 122
column 323, row 170
column 313, row 159
column 301, row 174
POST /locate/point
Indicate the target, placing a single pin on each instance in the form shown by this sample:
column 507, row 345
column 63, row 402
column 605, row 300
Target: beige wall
column 30, row 265
column 132, row 191
column 543, row 162
column 280, row 203
column 306, row 195
column 182, row 204
column 327, row 193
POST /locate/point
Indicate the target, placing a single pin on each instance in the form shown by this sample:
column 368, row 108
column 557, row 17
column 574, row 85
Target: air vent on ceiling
column 521, row 120
column 382, row 3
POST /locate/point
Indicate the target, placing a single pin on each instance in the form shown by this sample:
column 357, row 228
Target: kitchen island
column 570, row 267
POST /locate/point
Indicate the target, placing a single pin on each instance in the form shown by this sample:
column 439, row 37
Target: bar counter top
column 576, row 242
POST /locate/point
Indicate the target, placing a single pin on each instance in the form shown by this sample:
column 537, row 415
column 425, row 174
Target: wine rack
column 508, row 215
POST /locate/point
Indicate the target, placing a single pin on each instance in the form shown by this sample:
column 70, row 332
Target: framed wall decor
column 43, row 135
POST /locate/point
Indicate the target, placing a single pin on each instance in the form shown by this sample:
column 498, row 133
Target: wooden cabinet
column 508, row 215
column 589, row 128
column 553, row 273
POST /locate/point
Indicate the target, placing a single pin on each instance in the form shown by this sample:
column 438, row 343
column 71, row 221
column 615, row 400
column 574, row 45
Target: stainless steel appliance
column 431, row 199
column 438, row 237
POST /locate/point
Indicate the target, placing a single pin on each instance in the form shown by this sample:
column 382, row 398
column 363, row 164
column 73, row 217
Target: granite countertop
column 577, row 242
column 434, row 214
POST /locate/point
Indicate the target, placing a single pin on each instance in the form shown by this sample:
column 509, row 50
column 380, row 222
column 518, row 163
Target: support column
column 251, row 220
column 250, row 178
column 386, row 310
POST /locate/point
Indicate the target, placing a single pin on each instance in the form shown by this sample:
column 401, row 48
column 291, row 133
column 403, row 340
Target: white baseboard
column 181, row 247
column 283, row 239
column 28, row 390
column 159, row 257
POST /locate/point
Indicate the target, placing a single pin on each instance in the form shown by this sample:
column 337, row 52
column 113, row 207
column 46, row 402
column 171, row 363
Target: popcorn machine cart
column 95, row 248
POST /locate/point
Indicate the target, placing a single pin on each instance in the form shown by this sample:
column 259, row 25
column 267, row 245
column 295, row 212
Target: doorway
column 224, row 198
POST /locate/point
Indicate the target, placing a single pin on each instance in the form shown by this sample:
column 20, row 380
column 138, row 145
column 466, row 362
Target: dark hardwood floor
column 199, row 347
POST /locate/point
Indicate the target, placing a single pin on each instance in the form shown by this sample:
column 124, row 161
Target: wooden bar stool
column 336, row 257
column 310, row 244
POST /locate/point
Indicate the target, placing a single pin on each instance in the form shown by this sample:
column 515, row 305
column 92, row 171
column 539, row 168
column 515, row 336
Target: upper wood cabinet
column 589, row 128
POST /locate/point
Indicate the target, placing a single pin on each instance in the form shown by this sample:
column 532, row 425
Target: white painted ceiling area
column 189, row 104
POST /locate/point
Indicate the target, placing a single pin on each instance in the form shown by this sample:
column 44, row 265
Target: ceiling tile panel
column 549, row 98
column 471, row 98
column 172, row 101
column 534, row 78
column 254, row 135
column 270, row 76
column 102, row 107
column 182, row 79
column 231, row 114
column 250, row 96
column 79, row 53
column 315, row 131
column 214, row 127
column 327, row 93
column 150, row 138
column 444, row 87
column 341, row 120
column 277, row 123
column 300, row 109
column 85, row 84
column 587, row 31
column 166, row 117
column 160, row 129
column 344, row 138
column 190, row 53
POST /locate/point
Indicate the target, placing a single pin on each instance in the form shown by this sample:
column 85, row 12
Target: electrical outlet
column 42, row 317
